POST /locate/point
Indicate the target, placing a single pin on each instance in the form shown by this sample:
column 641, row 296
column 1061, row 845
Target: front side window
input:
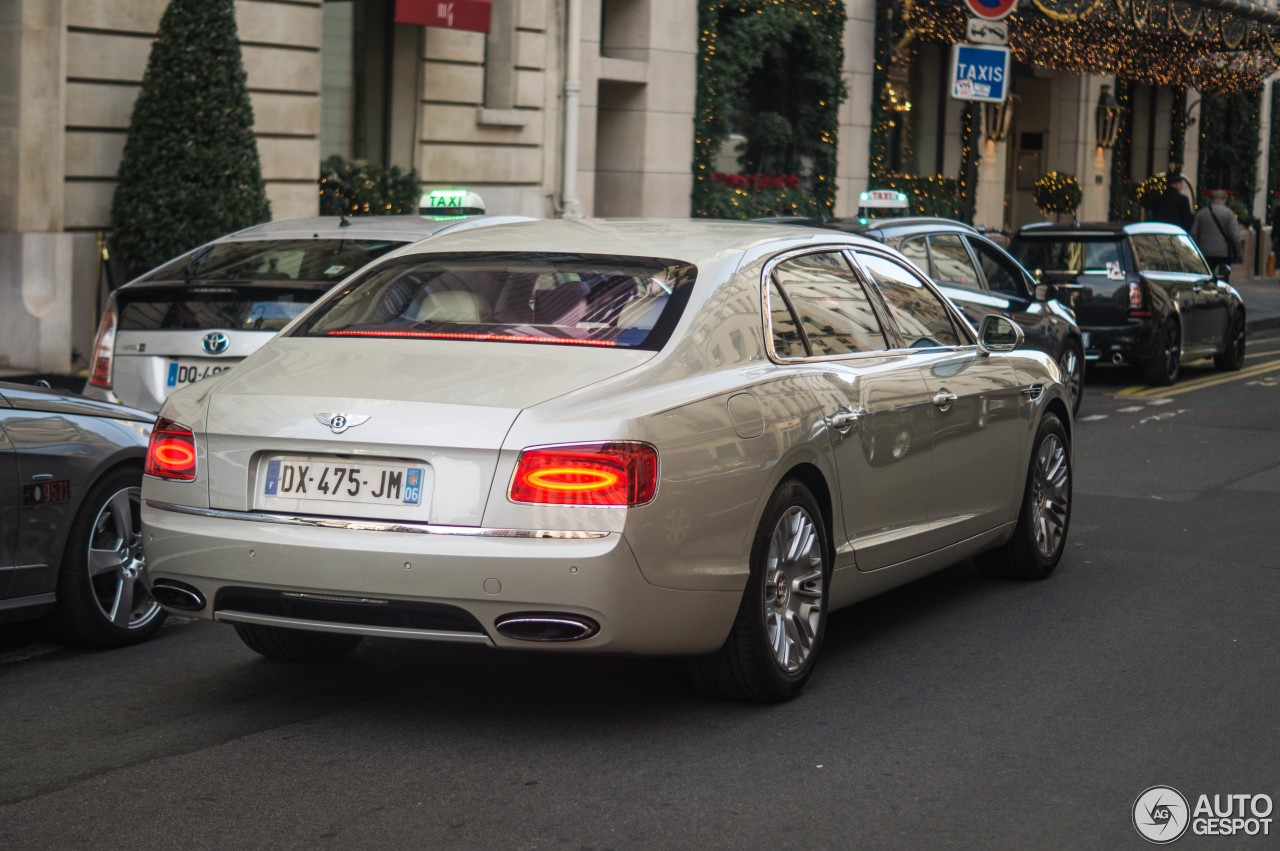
column 304, row 260
column 920, row 314
column 568, row 299
column 1002, row 273
column 951, row 261
column 828, row 303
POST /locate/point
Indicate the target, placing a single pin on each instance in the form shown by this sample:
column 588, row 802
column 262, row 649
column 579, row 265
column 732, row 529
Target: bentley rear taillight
column 603, row 474
column 171, row 454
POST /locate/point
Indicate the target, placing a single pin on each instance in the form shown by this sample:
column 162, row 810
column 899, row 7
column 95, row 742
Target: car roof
column 910, row 225
column 689, row 240
column 1113, row 230
column 404, row 228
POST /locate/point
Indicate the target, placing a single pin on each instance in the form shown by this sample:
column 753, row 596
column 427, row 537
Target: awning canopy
column 471, row 15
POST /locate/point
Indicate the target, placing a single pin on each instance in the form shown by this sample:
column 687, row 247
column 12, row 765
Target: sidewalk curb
column 1262, row 323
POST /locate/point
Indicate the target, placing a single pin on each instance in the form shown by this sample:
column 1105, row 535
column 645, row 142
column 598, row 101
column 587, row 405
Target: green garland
column 1229, row 150
column 1273, row 156
column 1057, row 192
column 1124, row 196
column 1178, row 127
column 735, row 40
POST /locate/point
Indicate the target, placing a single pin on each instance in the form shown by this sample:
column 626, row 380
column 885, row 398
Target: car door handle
column 844, row 419
column 944, row 399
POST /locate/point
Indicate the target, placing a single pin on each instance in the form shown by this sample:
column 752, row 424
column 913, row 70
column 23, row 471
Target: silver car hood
column 446, row 404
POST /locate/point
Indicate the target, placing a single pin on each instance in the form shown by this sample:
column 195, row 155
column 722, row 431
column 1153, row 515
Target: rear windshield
column 1069, row 255
column 254, row 308
column 318, row 260
column 569, row 299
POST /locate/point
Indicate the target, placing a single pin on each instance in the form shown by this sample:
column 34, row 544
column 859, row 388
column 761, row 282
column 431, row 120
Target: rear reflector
column 609, row 474
column 171, row 454
column 104, row 346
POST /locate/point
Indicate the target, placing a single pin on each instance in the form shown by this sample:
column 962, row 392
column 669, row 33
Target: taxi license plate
column 352, row 481
column 183, row 371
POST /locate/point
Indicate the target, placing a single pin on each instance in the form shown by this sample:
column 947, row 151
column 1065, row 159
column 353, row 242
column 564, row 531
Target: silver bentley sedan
column 657, row 437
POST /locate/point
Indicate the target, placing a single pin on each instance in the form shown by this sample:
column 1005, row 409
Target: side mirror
column 998, row 334
column 1222, row 271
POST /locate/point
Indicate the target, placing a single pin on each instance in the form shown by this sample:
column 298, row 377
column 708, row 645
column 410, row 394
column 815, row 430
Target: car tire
column 1041, row 532
column 103, row 598
column 1162, row 369
column 1232, row 357
column 776, row 637
column 1071, row 360
column 296, row 645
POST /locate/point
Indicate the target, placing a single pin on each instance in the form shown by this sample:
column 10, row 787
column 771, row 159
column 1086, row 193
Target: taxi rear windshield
column 303, row 260
column 568, row 299
column 184, row 308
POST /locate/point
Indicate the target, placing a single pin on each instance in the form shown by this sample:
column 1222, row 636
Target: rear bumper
column 1130, row 343
column 486, row 574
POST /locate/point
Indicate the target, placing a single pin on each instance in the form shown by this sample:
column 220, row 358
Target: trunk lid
column 438, row 407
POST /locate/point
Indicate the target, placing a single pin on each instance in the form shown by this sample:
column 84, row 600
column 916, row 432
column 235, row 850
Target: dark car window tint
column 787, row 342
column 1067, row 254
column 831, row 304
column 1184, row 254
column 254, row 308
column 919, row 313
column 569, row 299
column 951, row 261
column 1149, row 255
column 1002, row 274
column 275, row 260
column 917, row 252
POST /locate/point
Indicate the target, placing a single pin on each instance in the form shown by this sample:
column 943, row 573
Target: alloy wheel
column 794, row 588
column 116, row 563
column 1050, row 495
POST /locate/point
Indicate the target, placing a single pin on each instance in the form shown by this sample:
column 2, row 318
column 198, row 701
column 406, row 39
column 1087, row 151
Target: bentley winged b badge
column 338, row 423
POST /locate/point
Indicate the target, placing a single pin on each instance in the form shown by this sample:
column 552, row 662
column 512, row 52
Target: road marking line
column 1198, row 383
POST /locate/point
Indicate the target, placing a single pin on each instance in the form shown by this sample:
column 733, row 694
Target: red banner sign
column 451, row 14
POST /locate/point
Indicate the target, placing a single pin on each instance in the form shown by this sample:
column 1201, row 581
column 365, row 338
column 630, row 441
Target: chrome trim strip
column 23, row 602
column 372, row 525
column 231, row 616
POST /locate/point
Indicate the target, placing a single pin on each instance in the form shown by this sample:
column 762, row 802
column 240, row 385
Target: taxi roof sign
column 451, row 202
column 883, row 198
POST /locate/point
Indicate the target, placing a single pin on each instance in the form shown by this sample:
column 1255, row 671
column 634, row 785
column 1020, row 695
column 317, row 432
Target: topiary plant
column 1056, row 192
column 190, row 170
column 362, row 188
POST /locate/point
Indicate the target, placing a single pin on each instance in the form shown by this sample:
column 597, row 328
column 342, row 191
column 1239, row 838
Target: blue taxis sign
column 979, row 72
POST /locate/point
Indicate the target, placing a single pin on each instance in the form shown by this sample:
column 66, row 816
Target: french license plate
column 1085, row 336
column 343, row 481
column 183, row 371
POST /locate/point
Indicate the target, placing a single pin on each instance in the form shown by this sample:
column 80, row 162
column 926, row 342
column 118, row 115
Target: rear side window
column 196, row 308
column 568, row 299
column 1149, row 255
column 919, row 313
column 830, row 306
column 322, row 260
column 1183, row 254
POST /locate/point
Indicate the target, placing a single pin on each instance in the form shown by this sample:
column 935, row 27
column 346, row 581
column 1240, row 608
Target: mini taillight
column 616, row 474
column 104, row 347
column 171, row 454
column 1135, row 301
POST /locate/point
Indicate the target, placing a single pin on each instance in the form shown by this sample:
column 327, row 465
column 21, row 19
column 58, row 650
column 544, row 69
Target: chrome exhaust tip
column 546, row 626
column 1117, row 358
column 177, row 595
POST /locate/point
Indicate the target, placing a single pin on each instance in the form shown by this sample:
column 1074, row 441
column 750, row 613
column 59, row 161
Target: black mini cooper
column 1142, row 294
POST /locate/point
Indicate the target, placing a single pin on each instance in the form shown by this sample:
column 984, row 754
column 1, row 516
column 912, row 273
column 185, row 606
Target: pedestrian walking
column 1172, row 206
column 1216, row 230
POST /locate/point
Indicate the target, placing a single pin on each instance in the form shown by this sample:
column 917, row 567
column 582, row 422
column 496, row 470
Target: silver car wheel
column 794, row 587
column 116, row 563
column 1050, row 496
column 1071, row 364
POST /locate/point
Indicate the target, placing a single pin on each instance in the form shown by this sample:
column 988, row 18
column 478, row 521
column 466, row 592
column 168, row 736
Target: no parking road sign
column 979, row 72
column 992, row 10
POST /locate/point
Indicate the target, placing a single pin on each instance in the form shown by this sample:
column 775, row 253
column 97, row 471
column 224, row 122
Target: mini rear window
column 1074, row 255
column 568, row 299
column 185, row 308
column 322, row 260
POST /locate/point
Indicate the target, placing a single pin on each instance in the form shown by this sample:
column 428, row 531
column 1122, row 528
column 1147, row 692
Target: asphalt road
column 959, row 712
